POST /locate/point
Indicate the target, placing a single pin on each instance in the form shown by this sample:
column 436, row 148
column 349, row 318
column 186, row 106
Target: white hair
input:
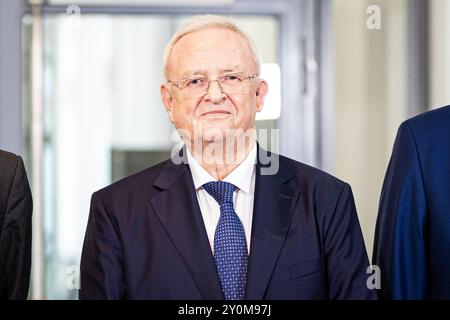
column 201, row 22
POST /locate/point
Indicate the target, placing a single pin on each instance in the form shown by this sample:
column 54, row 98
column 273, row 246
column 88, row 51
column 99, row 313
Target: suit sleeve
column 399, row 246
column 102, row 275
column 345, row 251
column 15, row 248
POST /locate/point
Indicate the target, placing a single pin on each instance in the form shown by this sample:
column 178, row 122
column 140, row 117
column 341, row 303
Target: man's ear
column 167, row 100
column 261, row 93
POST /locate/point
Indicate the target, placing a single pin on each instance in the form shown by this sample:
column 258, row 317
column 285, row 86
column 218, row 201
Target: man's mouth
column 216, row 112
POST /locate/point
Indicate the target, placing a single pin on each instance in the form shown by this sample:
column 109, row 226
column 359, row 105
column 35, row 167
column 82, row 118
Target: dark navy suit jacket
column 412, row 239
column 16, row 206
column 146, row 239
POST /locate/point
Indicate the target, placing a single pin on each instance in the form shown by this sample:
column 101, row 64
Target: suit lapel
column 177, row 208
column 273, row 206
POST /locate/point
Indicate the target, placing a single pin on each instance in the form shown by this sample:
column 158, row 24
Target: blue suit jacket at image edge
column 412, row 238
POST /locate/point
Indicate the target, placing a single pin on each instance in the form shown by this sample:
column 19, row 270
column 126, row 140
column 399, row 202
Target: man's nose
column 215, row 93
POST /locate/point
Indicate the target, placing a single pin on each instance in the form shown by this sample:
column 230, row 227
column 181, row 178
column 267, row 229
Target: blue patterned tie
column 230, row 247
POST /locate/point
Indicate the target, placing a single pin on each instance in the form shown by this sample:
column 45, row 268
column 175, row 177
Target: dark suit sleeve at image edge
column 101, row 259
column 399, row 246
column 345, row 251
column 15, row 242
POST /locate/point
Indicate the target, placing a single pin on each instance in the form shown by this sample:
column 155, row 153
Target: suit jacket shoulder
column 9, row 163
column 306, row 174
column 431, row 118
column 430, row 124
column 136, row 183
column 317, row 185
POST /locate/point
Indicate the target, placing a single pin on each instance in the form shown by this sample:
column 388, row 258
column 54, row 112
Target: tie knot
column 221, row 191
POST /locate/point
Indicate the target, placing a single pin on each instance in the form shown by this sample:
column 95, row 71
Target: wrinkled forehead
column 210, row 51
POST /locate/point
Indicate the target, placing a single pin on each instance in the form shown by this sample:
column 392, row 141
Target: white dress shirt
column 243, row 177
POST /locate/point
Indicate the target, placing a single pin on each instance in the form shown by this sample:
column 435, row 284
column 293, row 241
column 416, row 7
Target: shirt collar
column 241, row 176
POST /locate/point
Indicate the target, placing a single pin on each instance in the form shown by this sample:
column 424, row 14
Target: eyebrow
column 193, row 73
column 203, row 72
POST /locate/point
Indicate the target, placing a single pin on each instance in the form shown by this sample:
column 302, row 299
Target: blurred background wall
column 79, row 96
column 371, row 97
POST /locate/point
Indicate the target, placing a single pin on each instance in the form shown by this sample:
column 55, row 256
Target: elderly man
column 16, row 207
column 216, row 225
